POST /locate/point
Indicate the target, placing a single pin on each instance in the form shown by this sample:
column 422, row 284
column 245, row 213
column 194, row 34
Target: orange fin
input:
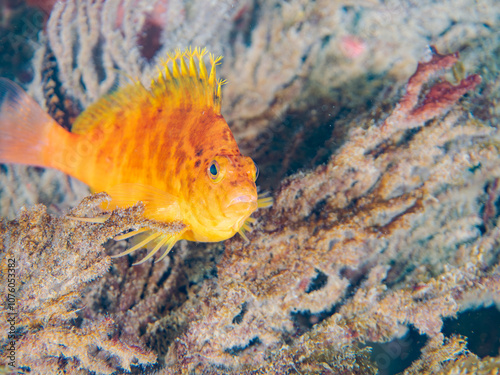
column 265, row 200
column 169, row 241
column 25, row 128
column 243, row 235
column 104, row 113
column 94, row 220
column 183, row 79
column 159, row 205
column 139, row 245
column 130, row 234
column 156, row 239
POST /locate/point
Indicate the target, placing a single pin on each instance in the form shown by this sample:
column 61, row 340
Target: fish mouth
column 243, row 199
column 240, row 208
column 246, row 202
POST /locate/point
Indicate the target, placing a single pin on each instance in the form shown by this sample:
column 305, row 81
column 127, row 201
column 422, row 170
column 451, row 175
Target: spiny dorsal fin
column 181, row 82
column 103, row 113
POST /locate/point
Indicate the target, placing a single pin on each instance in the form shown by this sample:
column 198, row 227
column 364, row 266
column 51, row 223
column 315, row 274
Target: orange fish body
column 167, row 146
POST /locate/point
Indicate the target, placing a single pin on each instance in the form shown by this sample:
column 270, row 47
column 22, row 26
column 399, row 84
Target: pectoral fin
column 157, row 239
column 159, row 205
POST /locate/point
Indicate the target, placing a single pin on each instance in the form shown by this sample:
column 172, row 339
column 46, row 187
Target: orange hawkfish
column 167, row 146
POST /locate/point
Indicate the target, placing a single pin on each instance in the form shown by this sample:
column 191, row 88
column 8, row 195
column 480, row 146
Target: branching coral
column 53, row 260
column 362, row 213
column 383, row 236
column 436, row 356
column 294, row 77
column 93, row 40
column 20, row 186
column 19, row 26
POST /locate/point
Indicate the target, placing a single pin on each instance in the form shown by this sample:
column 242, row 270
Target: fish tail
column 28, row 135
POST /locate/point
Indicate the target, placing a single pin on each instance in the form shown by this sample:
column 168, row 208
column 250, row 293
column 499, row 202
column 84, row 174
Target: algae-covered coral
column 48, row 262
column 397, row 229
column 395, row 192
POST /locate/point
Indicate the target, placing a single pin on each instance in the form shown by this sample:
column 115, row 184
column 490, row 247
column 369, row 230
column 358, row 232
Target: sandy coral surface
column 385, row 175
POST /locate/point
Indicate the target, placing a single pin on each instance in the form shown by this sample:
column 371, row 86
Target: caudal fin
column 25, row 128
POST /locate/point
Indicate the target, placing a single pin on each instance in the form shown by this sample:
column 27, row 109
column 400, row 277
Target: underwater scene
column 249, row 187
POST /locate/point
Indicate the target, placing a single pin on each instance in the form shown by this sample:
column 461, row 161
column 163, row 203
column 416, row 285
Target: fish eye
column 214, row 171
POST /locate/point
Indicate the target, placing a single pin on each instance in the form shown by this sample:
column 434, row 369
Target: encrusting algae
column 54, row 260
column 167, row 146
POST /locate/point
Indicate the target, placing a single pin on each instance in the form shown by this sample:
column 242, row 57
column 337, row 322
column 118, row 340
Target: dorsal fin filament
column 184, row 79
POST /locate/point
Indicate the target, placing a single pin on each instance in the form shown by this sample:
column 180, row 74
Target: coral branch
column 425, row 71
column 366, row 212
column 54, row 261
column 368, row 154
column 441, row 96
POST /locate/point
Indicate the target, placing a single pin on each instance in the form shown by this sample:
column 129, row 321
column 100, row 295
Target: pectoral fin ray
column 143, row 243
column 160, row 238
column 95, row 220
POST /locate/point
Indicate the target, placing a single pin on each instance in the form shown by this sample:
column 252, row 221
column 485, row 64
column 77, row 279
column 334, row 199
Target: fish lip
column 242, row 203
column 246, row 198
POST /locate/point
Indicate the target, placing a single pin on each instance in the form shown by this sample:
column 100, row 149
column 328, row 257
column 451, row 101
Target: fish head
column 224, row 196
